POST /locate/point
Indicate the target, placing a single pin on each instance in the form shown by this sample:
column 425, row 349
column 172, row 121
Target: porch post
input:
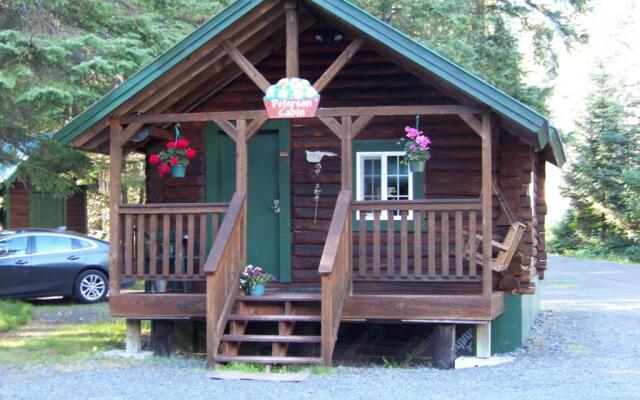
column 487, row 218
column 241, row 179
column 115, row 198
column 293, row 69
column 346, row 178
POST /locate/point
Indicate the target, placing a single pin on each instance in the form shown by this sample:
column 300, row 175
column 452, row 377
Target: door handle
column 22, row 262
column 72, row 258
column 276, row 204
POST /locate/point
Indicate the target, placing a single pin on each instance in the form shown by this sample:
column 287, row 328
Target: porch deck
column 453, row 308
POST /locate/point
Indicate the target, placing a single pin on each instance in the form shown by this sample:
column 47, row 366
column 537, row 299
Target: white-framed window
column 381, row 176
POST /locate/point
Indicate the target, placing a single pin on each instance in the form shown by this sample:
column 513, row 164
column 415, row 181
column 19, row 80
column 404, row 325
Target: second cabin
column 324, row 201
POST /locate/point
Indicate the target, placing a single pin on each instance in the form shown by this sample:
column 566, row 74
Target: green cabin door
column 268, row 227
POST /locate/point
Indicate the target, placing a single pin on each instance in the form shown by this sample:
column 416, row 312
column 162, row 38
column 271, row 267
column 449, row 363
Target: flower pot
column 178, row 171
column 257, row 290
column 416, row 165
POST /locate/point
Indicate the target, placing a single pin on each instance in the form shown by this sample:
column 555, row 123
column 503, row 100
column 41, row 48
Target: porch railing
column 335, row 273
column 223, row 268
column 417, row 240
column 167, row 241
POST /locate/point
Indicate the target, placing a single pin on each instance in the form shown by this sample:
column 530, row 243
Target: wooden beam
column 228, row 127
column 246, row 66
column 158, row 305
column 241, row 156
column 360, row 124
column 128, row 133
column 115, row 198
column 160, row 133
column 255, row 126
column 323, row 112
column 346, row 175
column 487, row 193
column 293, row 65
column 399, row 110
column 333, row 125
column 339, row 63
column 444, row 346
column 473, row 122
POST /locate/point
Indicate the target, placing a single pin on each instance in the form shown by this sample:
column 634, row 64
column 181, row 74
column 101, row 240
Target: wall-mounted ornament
column 316, row 157
column 291, row 98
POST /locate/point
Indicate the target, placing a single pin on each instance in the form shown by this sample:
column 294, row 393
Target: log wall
column 369, row 79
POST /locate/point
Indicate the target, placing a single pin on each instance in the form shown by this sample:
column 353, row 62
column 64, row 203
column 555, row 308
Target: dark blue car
column 43, row 262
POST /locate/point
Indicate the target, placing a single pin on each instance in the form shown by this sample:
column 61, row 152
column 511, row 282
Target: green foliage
column 602, row 180
column 13, row 314
column 483, row 36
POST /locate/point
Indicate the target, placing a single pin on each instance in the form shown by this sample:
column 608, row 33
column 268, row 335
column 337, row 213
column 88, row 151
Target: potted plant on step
column 175, row 158
column 416, row 147
column 254, row 280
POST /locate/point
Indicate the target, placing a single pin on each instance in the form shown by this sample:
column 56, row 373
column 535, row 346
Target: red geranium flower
column 182, row 144
column 191, row 153
column 174, row 161
column 163, row 169
column 154, row 159
column 171, row 144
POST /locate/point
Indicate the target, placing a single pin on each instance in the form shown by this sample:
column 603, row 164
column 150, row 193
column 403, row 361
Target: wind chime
column 315, row 157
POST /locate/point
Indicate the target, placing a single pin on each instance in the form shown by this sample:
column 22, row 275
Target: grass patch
column 278, row 369
column 13, row 314
column 68, row 342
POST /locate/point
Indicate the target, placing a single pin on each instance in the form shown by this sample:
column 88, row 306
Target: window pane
column 16, row 246
column 372, row 179
column 392, row 165
column 48, row 244
column 403, row 186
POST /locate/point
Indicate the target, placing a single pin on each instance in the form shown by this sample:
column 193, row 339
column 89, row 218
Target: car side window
column 53, row 244
column 15, row 246
column 80, row 244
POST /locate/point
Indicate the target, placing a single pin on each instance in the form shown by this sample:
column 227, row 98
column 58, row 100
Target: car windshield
column 13, row 246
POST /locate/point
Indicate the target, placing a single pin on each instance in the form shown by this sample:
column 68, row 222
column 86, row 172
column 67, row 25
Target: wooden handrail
column 335, row 273
column 222, row 241
column 419, row 205
column 334, row 236
column 172, row 208
column 223, row 269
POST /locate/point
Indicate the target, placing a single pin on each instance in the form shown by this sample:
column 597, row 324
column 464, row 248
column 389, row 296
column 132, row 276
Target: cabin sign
column 291, row 98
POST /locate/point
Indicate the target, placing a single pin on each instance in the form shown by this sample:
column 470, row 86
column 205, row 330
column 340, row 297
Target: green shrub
column 14, row 313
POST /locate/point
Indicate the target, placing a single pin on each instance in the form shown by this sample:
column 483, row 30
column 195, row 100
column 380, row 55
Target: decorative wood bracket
column 246, row 65
column 339, row 63
column 473, row 122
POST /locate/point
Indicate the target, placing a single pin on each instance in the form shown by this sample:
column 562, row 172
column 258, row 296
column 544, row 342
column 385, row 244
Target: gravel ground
column 585, row 345
column 65, row 312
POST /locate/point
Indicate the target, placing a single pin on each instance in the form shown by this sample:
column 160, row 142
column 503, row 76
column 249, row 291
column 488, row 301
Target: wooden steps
column 275, row 318
column 272, row 338
column 269, row 359
column 285, row 324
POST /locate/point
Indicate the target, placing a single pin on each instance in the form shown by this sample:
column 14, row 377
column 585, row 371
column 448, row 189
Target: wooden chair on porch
column 505, row 249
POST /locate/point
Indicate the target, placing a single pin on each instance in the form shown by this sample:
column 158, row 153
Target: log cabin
column 355, row 236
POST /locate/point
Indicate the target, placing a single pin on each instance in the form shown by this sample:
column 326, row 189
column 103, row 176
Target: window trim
column 361, row 156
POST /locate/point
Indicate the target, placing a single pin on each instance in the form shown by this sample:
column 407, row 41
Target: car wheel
column 91, row 286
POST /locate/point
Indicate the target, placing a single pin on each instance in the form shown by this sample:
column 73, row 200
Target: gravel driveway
column 585, row 345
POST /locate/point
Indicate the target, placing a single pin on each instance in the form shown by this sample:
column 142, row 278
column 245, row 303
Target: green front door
column 268, row 194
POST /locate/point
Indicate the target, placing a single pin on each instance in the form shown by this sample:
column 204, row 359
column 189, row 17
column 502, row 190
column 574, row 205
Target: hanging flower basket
column 416, row 147
column 174, row 159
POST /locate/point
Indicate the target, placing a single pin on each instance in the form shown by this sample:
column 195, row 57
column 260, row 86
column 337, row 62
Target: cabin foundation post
column 134, row 336
column 483, row 340
column 162, row 338
column 444, row 346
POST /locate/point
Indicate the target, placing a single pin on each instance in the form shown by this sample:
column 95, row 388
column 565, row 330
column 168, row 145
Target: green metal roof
column 360, row 20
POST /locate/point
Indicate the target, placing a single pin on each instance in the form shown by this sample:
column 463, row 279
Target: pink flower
column 154, row 159
column 412, row 147
column 171, row 144
column 423, row 142
column 163, row 169
column 191, row 153
column 182, row 144
column 412, row 133
column 174, row 161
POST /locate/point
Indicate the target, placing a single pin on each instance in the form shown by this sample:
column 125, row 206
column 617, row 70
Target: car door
column 14, row 266
column 55, row 263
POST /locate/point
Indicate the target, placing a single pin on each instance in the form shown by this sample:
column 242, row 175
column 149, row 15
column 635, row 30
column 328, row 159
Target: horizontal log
column 165, row 305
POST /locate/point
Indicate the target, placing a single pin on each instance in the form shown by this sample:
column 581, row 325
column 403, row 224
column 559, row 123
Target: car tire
column 91, row 286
